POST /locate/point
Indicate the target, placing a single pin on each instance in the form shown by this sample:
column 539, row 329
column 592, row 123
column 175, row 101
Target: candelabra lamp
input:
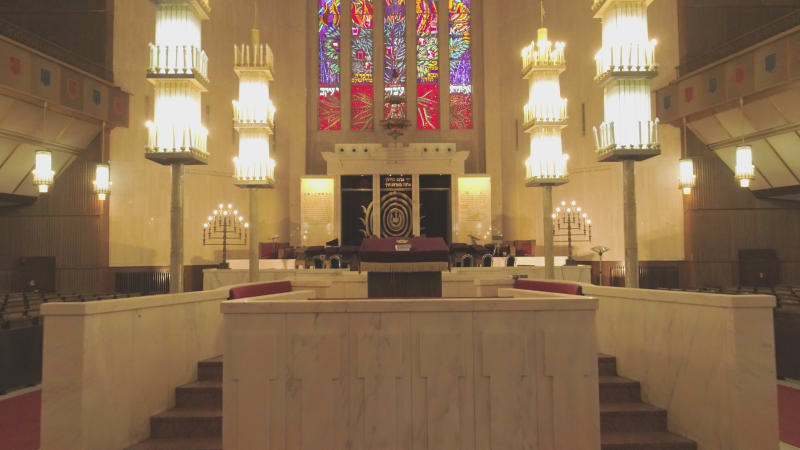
column 571, row 224
column 625, row 66
column 254, row 121
column 178, row 71
column 225, row 228
column 545, row 116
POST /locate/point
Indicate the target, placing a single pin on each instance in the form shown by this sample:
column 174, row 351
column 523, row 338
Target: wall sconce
column 687, row 178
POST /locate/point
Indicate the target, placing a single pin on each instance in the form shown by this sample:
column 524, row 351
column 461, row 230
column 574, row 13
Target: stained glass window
column 427, row 65
column 460, row 65
column 330, row 104
column 394, row 70
column 363, row 95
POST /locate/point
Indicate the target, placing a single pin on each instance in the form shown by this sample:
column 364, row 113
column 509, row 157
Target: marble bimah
column 424, row 374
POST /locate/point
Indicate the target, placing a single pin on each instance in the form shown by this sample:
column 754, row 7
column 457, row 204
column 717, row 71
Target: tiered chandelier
column 545, row 114
column 625, row 66
column 254, row 114
column 179, row 72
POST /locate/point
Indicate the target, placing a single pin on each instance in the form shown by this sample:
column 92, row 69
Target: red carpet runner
column 19, row 422
column 789, row 415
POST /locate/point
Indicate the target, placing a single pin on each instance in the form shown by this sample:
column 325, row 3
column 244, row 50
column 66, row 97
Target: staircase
column 196, row 421
column 626, row 423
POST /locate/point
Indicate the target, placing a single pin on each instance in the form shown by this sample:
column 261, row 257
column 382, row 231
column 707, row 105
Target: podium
column 395, row 272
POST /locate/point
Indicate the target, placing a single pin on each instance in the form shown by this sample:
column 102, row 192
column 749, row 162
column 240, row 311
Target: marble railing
column 342, row 283
column 708, row 359
column 425, row 373
column 109, row 365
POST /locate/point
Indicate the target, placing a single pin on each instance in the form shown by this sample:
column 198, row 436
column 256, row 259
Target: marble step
column 212, row 443
column 187, row 422
column 210, row 369
column 645, row 441
column 615, row 389
column 200, row 394
column 607, row 365
column 622, row 417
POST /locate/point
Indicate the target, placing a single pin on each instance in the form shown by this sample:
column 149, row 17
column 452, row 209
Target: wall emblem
column 96, row 97
column 14, row 65
column 73, row 89
column 713, row 84
column 45, row 77
column 688, row 94
column 667, row 101
column 739, row 74
column 117, row 104
column 771, row 62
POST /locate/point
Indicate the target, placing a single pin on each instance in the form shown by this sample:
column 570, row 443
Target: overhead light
column 43, row 173
column 745, row 170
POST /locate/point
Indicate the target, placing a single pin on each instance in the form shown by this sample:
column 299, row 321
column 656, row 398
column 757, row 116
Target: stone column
column 547, row 221
column 176, row 230
column 629, row 207
column 254, row 251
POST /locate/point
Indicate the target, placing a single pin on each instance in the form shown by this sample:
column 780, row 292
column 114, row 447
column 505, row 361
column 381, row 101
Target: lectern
column 404, row 268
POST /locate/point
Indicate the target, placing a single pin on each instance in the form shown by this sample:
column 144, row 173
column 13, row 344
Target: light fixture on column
column 544, row 116
column 102, row 181
column 43, row 173
column 254, row 120
column 745, row 170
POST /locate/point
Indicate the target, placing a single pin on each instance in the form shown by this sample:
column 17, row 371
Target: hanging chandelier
column 254, row 113
column 745, row 170
column 43, row 173
column 545, row 114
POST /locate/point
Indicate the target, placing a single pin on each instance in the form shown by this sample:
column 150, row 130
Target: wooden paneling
column 721, row 218
column 69, row 223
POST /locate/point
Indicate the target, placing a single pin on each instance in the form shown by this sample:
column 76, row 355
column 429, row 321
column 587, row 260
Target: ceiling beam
column 757, row 136
column 35, row 140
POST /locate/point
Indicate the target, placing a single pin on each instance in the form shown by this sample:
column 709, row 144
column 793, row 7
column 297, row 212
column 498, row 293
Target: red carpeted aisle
column 789, row 415
column 19, row 422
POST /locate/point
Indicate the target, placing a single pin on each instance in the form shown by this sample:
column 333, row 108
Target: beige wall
column 140, row 203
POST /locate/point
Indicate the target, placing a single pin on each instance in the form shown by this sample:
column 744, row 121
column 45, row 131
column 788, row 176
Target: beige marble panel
column 708, row 359
column 108, row 366
column 427, row 374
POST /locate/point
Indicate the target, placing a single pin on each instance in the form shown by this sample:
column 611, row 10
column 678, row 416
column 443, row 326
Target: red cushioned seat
column 549, row 286
column 257, row 290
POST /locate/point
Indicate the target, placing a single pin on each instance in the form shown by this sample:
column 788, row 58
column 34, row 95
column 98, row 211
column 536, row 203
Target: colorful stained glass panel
column 330, row 109
column 394, row 70
column 460, row 19
column 362, row 92
column 427, row 65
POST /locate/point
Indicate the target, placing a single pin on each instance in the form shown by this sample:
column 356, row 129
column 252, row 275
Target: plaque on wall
column 316, row 211
column 474, row 209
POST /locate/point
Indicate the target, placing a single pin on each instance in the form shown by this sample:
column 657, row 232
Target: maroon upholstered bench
column 549, row 286
column 257, row 290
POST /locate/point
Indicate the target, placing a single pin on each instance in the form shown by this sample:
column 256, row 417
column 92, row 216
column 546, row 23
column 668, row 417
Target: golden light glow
column 43, row 173
column 102, row 181
column 745, row 170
